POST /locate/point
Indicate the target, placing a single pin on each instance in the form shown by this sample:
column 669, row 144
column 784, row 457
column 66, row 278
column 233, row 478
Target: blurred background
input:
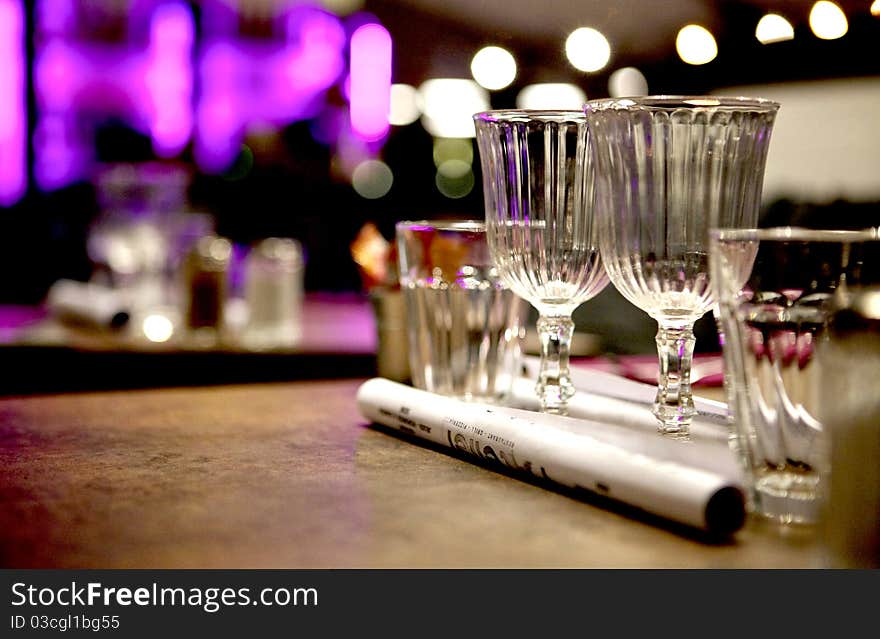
column 130, row 129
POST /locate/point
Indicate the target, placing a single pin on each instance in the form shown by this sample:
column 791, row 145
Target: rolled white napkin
column 88, row 303
column 606, row 397
column 696, row 483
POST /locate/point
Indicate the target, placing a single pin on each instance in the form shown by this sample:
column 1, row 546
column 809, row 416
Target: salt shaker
column 274, row 293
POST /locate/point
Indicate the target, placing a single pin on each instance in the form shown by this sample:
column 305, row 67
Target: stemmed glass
column 669, row 168
column 538, row 184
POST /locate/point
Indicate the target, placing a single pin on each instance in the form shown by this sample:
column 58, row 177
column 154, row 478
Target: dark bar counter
column 288, row 475
column 42, row 355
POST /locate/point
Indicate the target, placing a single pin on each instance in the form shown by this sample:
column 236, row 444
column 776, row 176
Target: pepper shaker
column 205, row 271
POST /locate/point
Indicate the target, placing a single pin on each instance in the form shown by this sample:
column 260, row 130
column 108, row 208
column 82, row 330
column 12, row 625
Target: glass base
column 673, row 422
column 554, row 397
column 787, row 498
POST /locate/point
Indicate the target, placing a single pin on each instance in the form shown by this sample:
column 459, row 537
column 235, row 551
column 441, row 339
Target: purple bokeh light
column 148, row 76
column 244, row 81
column 370, row 81
column 150, row 87
column 169, row 78
column 13, row 113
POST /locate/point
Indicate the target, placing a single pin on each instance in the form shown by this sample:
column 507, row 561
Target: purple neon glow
column 13, row 115
column 218, row 127
column 149, row 81
column 169, row 78
column 370, row 81
column 315, row 43
column 75, row 81
column 219, row 18
column 56, row 16
column 245, row 81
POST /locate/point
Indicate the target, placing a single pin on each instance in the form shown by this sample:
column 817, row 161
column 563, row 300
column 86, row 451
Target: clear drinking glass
column 464, row 324
column 779, row 291
column 539, row 195
column 669, row 168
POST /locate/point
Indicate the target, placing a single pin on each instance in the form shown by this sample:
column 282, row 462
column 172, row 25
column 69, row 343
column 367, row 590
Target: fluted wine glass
column 669, row 168
column 538, row 183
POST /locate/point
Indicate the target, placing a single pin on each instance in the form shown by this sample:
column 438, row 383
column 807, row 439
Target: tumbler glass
column 464, row 324
column 776, row 290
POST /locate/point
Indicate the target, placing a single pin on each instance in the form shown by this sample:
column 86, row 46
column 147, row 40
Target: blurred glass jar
column 134, row 241
column 205, row 288
column 273, row 291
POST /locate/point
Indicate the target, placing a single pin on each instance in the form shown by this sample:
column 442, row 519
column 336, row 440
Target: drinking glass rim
column 473, row 226
column 797, row 234
column 674, row 102
column 527, row 115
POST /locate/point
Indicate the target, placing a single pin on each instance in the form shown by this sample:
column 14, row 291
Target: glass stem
column 554, row 382
column 674, row 405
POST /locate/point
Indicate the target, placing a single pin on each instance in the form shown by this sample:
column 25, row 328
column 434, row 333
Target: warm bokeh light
column 342, row 7
column 875, row 8
column 404, row 105
column 372, row 179
column 448, row 106
column 587, row 49
column 157, row 328
column 447, row 149
column 773, row 28
column 493, row 68
column 551, row 95
column 828, row 21
column 454, row 179
column 696, row 44
column 627, row 81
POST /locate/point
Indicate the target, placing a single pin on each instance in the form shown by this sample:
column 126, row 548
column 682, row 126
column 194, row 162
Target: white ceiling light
column 773, row 28
column 587, row 49
column 404, row 105
column 696, row 44
column 551, row 95
column 448, row 106
column 828, row 21
column 627, row 82
column 493, row 68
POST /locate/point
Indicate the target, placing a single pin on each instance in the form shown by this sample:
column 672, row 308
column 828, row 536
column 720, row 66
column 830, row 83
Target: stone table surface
column 289, row 475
